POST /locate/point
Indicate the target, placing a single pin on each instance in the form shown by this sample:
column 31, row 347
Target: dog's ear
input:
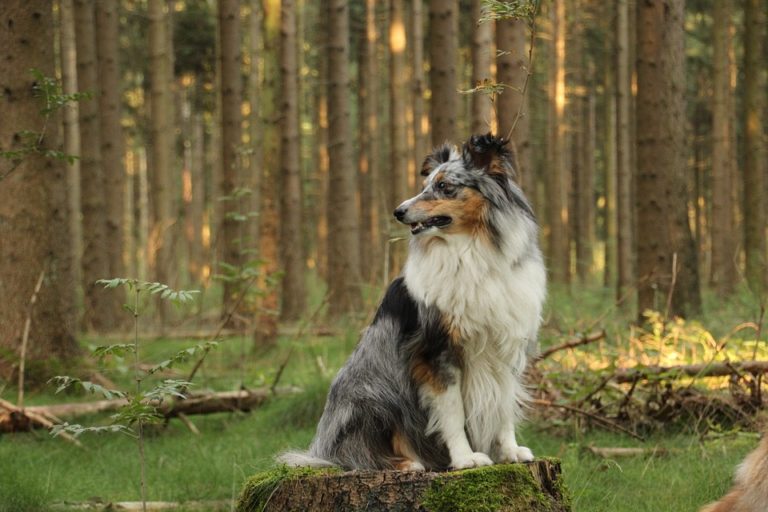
column 490, row 154
column 439, row 155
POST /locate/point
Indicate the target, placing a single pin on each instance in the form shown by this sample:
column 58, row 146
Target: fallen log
column 530, row 487
column 18, row 418
column 723, row 369
column 206, row 403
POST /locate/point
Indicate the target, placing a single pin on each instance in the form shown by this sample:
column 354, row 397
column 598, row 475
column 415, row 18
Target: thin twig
column 529, row 71
column 671, row 286
column 25, row 338
column 573, row 343
column 605, row 421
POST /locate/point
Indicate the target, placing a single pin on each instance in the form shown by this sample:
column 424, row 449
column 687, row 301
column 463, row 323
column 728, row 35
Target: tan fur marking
column 423, row 374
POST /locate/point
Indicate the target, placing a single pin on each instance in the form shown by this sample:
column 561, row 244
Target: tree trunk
column 160, row 148
column 512, row 68
column 68, row 54
column 480, row 47
column 256, row 153
column 724, row 248
column 609, row 152
column 624, row 173
column 530, row 487
column 33, row 197
column 443, row 42
column 269, row 303
column 369, row 183
column 194, row 214
column 754, row 145
column 667, row 271
column 233, row 227
column 585, row 181
column 112, row 147
column 320, row 117
column 558, row 247
column 343, row 224
column 420, row 130
column 291, row 239
column 99, row 313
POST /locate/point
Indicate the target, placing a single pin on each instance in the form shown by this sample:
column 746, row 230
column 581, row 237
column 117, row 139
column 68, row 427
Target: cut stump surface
column 530, row 487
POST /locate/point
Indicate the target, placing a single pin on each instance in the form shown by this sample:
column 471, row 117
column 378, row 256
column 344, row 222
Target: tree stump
column 530, row 487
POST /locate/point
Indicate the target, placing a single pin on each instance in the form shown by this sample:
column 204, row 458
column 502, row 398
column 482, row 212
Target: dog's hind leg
column 405, row 459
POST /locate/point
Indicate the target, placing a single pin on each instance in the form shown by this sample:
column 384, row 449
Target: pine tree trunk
column 624, row 173
column 754, row 145
column 370, row 232
column 443, row 42
column 530, row 487
column 269, row 304
column 112, row 147
column 233, row 228
column 256, row 153
column 480, row 48
column 291, row 240
column 196, row 205
column 343, row 219
column 667, row 270
column 99, row 313
column 320, row 98
column 724, row 248
column 512, row 68
column 159, row 170
column 585, row 187
column 558, row 247
column 420, row 148
column 609, row 169
column 34, row 231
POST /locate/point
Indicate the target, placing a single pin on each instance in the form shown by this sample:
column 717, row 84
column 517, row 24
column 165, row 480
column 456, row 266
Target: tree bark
column 112, row 147
column 585, row 182
column 558, row 247
column 443, row 42
column 160, row 149
column 609, row 168
column 534, row 486
column 420, row 130
column 482, row 34
column 343, row 218
column 269, row 303
column 724, row 248
column 754, row 145
column 33, row 197
column 98, row 313
column 291, row 239
column 624, row 173
column 667, row 271
column 512, row 68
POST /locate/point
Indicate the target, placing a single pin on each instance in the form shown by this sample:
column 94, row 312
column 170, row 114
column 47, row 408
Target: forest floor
column 690, row 468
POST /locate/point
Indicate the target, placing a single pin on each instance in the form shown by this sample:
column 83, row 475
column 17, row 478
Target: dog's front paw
column 412, row 465
column 472, row 460
column 515, row 454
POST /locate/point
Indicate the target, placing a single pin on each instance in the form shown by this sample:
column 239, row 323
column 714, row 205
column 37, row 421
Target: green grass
column 36, row 469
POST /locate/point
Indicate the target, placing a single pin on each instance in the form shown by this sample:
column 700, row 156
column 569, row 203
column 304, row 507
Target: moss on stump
column 529, row 487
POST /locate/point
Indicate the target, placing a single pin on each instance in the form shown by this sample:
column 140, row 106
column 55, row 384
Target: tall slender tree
column 233, row 229
column 624, row 173
column 291, row 240
column 160, row 147
column 99, row 313
column 33, row 198
column 667, row 270
column 482, row 35
column 754, row 144
column 418, row 82
column 443, row 50
column 724, row 248
column 558, row 247
column 343, row 220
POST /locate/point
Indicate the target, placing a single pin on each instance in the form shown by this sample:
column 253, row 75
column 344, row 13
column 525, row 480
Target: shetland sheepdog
column 436, row 381
column 750, row 489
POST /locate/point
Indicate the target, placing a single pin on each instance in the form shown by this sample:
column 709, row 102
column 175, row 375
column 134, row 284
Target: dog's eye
column 441, row 185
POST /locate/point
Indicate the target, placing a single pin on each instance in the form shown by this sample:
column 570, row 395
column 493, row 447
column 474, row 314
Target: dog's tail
column 303, row 459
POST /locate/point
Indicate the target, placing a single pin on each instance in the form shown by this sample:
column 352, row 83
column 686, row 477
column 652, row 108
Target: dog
column 750, row 489
column 436, row 381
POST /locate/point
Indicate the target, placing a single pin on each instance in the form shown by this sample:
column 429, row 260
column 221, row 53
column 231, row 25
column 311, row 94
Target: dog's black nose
column 400, row 213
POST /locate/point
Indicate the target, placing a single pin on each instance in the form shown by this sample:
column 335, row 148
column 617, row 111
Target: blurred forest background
column 254, row 150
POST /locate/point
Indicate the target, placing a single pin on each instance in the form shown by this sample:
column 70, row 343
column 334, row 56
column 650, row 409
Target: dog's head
column 462, row 188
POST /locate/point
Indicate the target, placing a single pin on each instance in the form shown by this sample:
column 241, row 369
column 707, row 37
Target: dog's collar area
column 439, row 221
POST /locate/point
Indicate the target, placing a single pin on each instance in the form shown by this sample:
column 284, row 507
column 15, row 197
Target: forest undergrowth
column 628, row 441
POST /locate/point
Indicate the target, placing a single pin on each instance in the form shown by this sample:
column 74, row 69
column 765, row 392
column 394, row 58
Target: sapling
column 141, row 407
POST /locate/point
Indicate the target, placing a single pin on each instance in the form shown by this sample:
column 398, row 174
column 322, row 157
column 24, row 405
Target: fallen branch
column 208, row 403
column 25, row 338
column 614, row 452
column 576, row 342
column 600, row 419
column 724, row 369
column 150, row 505
column 25, row 419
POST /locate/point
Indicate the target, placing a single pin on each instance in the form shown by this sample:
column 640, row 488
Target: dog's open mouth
column 432, row 222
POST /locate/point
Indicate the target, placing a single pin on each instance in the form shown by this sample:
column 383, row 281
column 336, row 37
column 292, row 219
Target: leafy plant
column 141, row 407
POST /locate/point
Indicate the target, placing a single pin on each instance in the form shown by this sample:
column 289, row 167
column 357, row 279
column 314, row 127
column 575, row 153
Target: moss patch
column 259, row 488
column 507, row 488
